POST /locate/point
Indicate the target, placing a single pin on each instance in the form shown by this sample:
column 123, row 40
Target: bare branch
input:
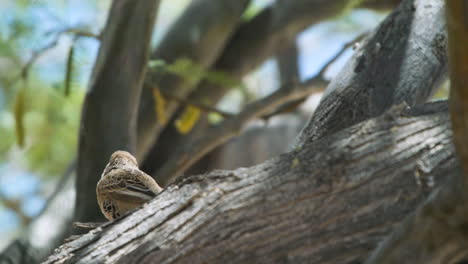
column 288, row 69
column 321, row 74
column 24, row 72
column 220, row 133
column 288, row 63
column 15, row 206
column 205, row 108
column 346, row 46
column 61, row 185
column 77, row 32
column 88, row 225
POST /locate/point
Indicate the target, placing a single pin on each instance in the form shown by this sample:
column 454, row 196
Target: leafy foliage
column 192, row 72
column 69, row 70
column 160, row 106
column 19, row 110
column 35, row 117
column 188, row 119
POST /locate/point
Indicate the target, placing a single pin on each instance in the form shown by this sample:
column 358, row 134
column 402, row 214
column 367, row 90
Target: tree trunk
column 109, row 116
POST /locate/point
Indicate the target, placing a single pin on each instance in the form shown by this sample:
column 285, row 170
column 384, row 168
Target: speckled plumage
column 124, row 187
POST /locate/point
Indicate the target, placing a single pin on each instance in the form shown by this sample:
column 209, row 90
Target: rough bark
column 108, row 121
column 331, row 201
column 404, row 60
column 437, row 232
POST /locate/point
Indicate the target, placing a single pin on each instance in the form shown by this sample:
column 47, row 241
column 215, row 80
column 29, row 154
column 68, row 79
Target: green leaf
column 192, row 72
column 155, row 64
column 186, row 69
column 69, row 70
column 19, row 110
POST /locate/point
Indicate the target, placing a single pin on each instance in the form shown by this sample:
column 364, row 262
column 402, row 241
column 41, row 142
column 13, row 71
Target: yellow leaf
column 160, row 106
column 18, row 111
column 188, row 119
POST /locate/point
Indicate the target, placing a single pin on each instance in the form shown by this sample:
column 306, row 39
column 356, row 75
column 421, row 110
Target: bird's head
column 122, row 157
column 119, row 159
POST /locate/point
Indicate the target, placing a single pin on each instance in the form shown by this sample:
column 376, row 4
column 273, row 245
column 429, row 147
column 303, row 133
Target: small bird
column 123, row 186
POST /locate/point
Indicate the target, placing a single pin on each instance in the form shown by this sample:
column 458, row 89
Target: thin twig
column 203, row 107
column 88, row 225
column 15, row 206
column 346, row 46
column 293, row 105
column 60, row 186
column 72, row 238
column 35, row 55
column 77, row 32
column 38, row 53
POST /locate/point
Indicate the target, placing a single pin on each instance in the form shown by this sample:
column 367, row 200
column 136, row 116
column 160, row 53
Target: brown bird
column 123, row 186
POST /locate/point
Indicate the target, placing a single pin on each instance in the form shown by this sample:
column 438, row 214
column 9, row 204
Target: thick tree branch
column 108, row 121
column 288, row 63
column 436, row 233
column 331, row 201
column 404, row 60
column 288, row 72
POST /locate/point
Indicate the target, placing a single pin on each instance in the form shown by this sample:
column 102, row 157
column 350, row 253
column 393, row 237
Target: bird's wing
column 128, row 185
column 138, row 183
